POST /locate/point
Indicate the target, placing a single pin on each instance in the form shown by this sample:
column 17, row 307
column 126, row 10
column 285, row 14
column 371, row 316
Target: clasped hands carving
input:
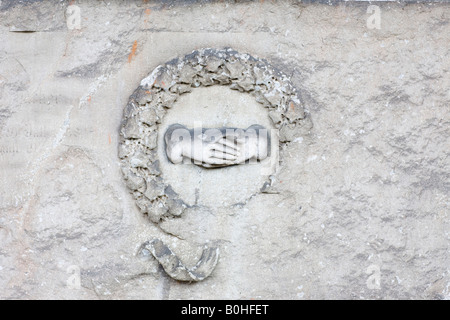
column 214, row 148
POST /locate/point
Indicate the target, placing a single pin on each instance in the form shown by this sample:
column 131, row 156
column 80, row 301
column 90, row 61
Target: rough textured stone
column 358, row 208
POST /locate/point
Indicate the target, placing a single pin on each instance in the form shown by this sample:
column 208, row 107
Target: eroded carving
column 176, row 268
column 216, row 147
column 157, row 93
column 146, row 109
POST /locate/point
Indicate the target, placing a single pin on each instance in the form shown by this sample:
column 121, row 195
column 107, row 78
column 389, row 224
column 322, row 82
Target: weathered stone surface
column 176, row 268
column 358, row 208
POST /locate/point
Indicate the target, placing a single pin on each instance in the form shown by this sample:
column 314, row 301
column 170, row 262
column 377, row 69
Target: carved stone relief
column 212, row 148
column 216, row 147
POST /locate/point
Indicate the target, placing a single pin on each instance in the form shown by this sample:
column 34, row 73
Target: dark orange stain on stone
column 133, row 51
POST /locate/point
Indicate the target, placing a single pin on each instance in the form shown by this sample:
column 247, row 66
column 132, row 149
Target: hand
column 207, row 147
column 218, row 152
column 252, row 143
column 213, row 148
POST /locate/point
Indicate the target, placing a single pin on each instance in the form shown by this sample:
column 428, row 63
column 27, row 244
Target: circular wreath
column 158, row 92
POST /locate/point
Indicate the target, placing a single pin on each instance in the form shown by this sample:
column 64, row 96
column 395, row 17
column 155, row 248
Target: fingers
column 219, row 161
column 223, row 155
column 225, row 149
column 228, row 143
column 207, row 165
